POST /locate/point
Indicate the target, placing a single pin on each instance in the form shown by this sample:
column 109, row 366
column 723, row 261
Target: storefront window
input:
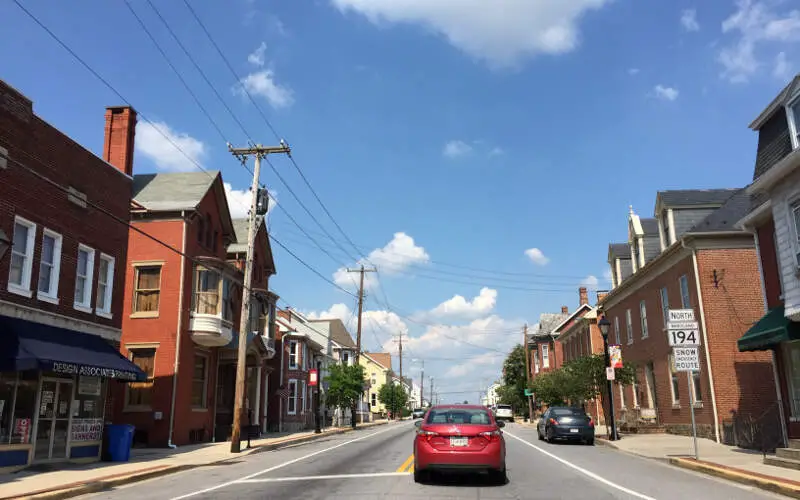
column 87, row 410
column 17, row 405
column 8, row 382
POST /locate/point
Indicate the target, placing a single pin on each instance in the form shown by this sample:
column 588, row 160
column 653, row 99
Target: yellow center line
column 409, row 462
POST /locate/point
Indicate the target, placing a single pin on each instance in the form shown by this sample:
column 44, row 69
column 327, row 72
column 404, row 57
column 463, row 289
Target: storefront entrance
column 52, row 422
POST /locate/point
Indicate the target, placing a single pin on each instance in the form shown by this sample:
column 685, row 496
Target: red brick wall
column 769, row 263
column 744, row 380
column 43, row 148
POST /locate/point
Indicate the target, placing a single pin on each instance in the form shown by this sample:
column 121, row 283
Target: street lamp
column 605, row 326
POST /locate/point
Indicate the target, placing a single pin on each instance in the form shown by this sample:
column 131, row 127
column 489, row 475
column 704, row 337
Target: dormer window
column 793, row 113
column 635, row 254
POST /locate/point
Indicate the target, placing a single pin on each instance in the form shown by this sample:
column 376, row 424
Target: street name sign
column 687, row 359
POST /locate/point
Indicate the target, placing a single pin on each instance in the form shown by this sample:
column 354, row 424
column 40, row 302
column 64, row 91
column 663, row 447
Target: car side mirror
column 418, row 424
column 501, row 424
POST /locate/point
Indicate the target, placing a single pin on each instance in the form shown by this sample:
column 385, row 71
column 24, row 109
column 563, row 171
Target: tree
column 512, row 390
column 393, row 397
column 345, row 386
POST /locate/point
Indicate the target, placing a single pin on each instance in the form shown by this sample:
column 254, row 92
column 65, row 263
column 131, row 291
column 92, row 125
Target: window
column 18, row 390
column 697, row 391
column 199, row 381
column 291, row 404
column 536, row 362
column 635, row 254
column 303, row 395
column 206, row 291
column 684, row 282
column 201, row 230
column 227, row 300
column 374, row 381
column 214, row 241
column 140, row 394
column 795, row 211
column 346, row 358
column 665, row 225
column 643, row 318
column 147, row 289
column 665, row 305
column 208, row 230
column 49, row 266
column 616, row 330
column 621, row 395
column 105, row 285
column 293, row 355
column 373, row 400
column 545, row 356
column 635, row 392
column 675, row 386
column 460, row 416
column 793, row 111
column 84, row 273
column 629, row 326
column 19, row 274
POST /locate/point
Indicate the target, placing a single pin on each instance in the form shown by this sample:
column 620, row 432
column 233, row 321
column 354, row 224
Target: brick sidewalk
column 71, row 480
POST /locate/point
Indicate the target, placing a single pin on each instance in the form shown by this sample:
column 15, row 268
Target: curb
column 762, row 482
column 606, row 442
column 113, row 481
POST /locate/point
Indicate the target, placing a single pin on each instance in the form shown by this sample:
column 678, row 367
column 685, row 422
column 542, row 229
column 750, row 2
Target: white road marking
column 336, row 476
column 280, row 466
column 582, row 470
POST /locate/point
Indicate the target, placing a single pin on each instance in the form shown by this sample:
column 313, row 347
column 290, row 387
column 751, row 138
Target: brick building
column 61, row 289
column 702, row 262
column 545, row 353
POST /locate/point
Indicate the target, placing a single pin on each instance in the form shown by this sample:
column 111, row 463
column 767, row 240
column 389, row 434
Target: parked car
column 460, row 438
column 417, row 413
column 504, row 412
column 568, row 424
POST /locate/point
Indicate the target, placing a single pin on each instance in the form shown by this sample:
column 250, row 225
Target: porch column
column 257, row 402
column 265, row 406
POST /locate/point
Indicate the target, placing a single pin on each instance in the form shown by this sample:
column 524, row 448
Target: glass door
column 52, row 432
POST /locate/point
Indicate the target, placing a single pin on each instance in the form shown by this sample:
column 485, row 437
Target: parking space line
column 581, row 469
column 404, row 467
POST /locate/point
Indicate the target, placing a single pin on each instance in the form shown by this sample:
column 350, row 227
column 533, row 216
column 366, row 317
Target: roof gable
column 583, row 309
column 783, row 97
column 725, row 217
column 692, row 198
column 240, row 228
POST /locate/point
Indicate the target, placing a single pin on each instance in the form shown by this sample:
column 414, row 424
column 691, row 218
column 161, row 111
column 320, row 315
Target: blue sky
column 445, row 138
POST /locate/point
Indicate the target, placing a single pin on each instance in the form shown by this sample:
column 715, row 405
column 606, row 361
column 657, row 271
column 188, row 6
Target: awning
column 25, row 345
column 772, row 329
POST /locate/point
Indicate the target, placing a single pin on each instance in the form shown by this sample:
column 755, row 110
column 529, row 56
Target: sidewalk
column 728, row 462
column 70, row 480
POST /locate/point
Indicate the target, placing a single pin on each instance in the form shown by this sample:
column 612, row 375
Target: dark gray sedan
column 566, row 424
column 417, row 413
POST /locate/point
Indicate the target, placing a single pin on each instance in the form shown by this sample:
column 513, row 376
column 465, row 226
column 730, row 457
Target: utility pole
column 400, row 347
column 259, row 202
column 431, row 391
column 422, row 386
column 361, row 271
column 527, row 369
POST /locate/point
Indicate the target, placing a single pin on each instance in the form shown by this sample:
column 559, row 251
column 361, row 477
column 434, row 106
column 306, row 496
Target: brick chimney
column 564, row 310
column 584, row 295
column 601, row 294
column 119, row 133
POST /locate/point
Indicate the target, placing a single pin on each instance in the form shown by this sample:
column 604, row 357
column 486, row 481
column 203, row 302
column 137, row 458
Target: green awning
column 772, row 329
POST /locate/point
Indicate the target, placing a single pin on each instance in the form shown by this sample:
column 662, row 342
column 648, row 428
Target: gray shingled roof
column 337, row 331
column 649, row 226
column 240, row 229
column 725, row 217
column 620, row 250
column 548, row 322
column 172, row 191
column 690, row 197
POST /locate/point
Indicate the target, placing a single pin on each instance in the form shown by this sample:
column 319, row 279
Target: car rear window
column 503, row 407
column 568, row 411
column 459, row 416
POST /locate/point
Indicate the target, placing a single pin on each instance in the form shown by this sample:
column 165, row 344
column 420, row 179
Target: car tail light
column 553, row 421
column 491, row 435
column 591, row 422
column 427, row 434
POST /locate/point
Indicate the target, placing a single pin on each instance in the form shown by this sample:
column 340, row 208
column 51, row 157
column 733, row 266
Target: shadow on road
column 463, row 480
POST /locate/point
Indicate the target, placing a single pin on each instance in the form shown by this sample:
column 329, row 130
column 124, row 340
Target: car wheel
column 539, row 434
column 420, row 476
column 590, row 442
column 547, row 436
column 500, row 476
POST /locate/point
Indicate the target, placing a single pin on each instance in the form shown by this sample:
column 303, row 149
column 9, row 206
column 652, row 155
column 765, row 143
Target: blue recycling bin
column 120, row 441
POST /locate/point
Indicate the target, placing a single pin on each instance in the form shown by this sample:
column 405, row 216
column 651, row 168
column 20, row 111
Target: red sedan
column 459, row 438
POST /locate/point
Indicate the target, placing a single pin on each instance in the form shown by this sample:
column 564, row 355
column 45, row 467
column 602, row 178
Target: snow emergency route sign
column 687, row 359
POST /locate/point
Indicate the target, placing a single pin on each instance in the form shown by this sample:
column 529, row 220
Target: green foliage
column 512, row 390
column 393, row 397
column 345, row 385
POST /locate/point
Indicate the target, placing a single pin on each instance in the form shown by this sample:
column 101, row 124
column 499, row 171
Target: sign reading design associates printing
column 86, row 429
column 90, row 371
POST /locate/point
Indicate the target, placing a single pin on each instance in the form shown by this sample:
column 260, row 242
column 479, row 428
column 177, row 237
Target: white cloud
column 607, row 276
column 633, row 71
column 393, row 257
column 257, row 57
column 591, row 282
column 782, row 70
column 754, row 26
column 537, row 256
column 491, row 333
column 666, row 93
column 456, row 149
column 496, row 151
column 262, row 83
column 689, row 20
column 376, row 325
column 157, row 141
column 502, row 34
column 459, row 307
column 489, row 360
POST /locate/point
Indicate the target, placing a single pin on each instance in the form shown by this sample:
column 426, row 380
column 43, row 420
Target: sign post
column 683, row 335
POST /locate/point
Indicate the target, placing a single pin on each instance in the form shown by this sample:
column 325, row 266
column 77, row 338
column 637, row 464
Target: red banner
column 312, row 378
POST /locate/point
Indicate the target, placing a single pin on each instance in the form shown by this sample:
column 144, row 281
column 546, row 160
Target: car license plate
column 459, row 441
column 574, row 431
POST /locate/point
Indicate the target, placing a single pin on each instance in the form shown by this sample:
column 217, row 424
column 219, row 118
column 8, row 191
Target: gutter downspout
column 178, row 336
column 705, row 339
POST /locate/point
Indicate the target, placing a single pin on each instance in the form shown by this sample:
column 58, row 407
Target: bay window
column 212, row 294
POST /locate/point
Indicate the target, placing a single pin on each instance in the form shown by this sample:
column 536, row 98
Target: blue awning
column 25, row 345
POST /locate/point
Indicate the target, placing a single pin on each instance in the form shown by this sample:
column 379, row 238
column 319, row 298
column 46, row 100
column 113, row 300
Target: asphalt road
column 372, row 463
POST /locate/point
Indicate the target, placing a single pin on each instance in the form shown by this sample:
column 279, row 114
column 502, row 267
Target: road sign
column 681, row 315
column 528, row 392
column 682, row 329
column 610, row 373
column 683, row 337
column 687, row 359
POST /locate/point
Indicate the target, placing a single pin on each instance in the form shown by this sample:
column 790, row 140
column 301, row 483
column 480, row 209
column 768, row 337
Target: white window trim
column 794, row 128
column 303, row 383
column 536, row 361
column 697, row 402
column 676, row 403
column 621, row 395
column 52, row 294
column 616, row 330
column 629, row 326
column 545, row 356
column 663, row 295
column 204, row 405
column 27, row 271
column 643, row 319
column 87, row 290
column 793, row 212
column 106, row 313
column 685, row 300
column 291, row 382
column 293, row 350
